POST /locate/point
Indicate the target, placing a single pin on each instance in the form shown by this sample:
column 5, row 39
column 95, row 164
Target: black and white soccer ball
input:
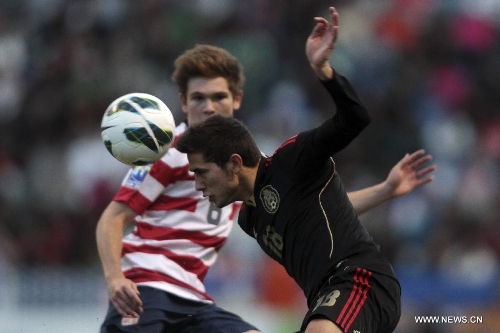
column 137, row 128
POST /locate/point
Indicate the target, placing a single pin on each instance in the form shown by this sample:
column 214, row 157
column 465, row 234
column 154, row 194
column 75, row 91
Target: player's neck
column 247, row 182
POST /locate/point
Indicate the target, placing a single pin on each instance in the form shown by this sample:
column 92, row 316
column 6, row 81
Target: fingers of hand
column 125, row 309
column 335, row 32
column 426, row 171
column 321, row 20
column 320, row 27
column 334, row 15
column 421, row 161
column 416, row 155
column 424, row 181
column 127, row 301
column 334, row 22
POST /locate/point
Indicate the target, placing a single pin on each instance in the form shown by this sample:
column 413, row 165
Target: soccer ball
column 137, row 129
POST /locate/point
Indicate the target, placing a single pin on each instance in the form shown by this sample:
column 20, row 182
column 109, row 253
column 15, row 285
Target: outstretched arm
column 408, row 174
column 350, row 116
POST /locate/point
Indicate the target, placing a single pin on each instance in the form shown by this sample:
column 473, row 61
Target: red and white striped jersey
column 177, row 233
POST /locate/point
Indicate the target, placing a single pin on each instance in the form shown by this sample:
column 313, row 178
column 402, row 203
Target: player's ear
column 235, row 163
column 237, row 100
column 183, row 101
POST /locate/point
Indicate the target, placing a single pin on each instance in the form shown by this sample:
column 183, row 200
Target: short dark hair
column 217, row 138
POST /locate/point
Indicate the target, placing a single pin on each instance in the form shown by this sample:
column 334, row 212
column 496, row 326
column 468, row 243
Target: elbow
column 366, row 120
column 363, row 120
column 364, row 116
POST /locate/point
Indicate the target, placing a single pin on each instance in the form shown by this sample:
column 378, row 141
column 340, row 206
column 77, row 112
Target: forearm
column 370, row 197
column 109, row 245
column 109, row 233
column 350, row 118
column 351, row 115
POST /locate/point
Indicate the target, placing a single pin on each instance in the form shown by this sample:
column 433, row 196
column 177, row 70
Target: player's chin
column 219, row 203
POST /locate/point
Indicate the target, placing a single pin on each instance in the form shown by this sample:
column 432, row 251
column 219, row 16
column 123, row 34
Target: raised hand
column 321, row 43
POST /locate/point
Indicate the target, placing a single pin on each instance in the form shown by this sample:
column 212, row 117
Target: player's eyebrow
column 210, row 94
column 197, row 170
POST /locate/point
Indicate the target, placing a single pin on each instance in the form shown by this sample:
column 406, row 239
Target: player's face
column 218, row 184
column 208, row 96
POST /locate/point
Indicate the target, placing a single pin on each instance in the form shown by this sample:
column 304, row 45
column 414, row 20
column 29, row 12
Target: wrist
column 324, row 72
column 387, row 190
column 110, row 276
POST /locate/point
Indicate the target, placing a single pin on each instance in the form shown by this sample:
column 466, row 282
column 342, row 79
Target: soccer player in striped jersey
column 295, row 206
column 155, row 273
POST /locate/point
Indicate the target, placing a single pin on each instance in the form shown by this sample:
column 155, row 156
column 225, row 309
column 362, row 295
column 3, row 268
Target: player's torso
column 294, row 222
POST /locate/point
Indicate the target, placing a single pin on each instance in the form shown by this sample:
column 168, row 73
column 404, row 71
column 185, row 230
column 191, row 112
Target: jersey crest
column 270, row 199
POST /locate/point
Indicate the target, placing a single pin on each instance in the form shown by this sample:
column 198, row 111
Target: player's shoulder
column 180, row 128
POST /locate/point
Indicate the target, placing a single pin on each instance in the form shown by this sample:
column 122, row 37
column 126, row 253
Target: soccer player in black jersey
column 296, row 207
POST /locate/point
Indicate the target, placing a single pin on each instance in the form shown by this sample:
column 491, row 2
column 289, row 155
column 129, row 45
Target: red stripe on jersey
column 236, row 209
column 165, row 174
column 287, row 142
column 138, row 203
column 165, row 202
column 174, row 141
column 187, row 262
column 356, row 299
column 144, row 275
column 148, row 231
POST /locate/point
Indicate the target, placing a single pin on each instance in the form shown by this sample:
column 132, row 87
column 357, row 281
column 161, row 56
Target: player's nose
column 209, row 106
column 198, row 185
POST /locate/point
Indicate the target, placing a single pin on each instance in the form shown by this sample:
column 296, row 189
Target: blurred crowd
column 428, row 70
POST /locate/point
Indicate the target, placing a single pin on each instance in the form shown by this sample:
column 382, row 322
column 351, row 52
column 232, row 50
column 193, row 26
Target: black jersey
column 301, row 214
